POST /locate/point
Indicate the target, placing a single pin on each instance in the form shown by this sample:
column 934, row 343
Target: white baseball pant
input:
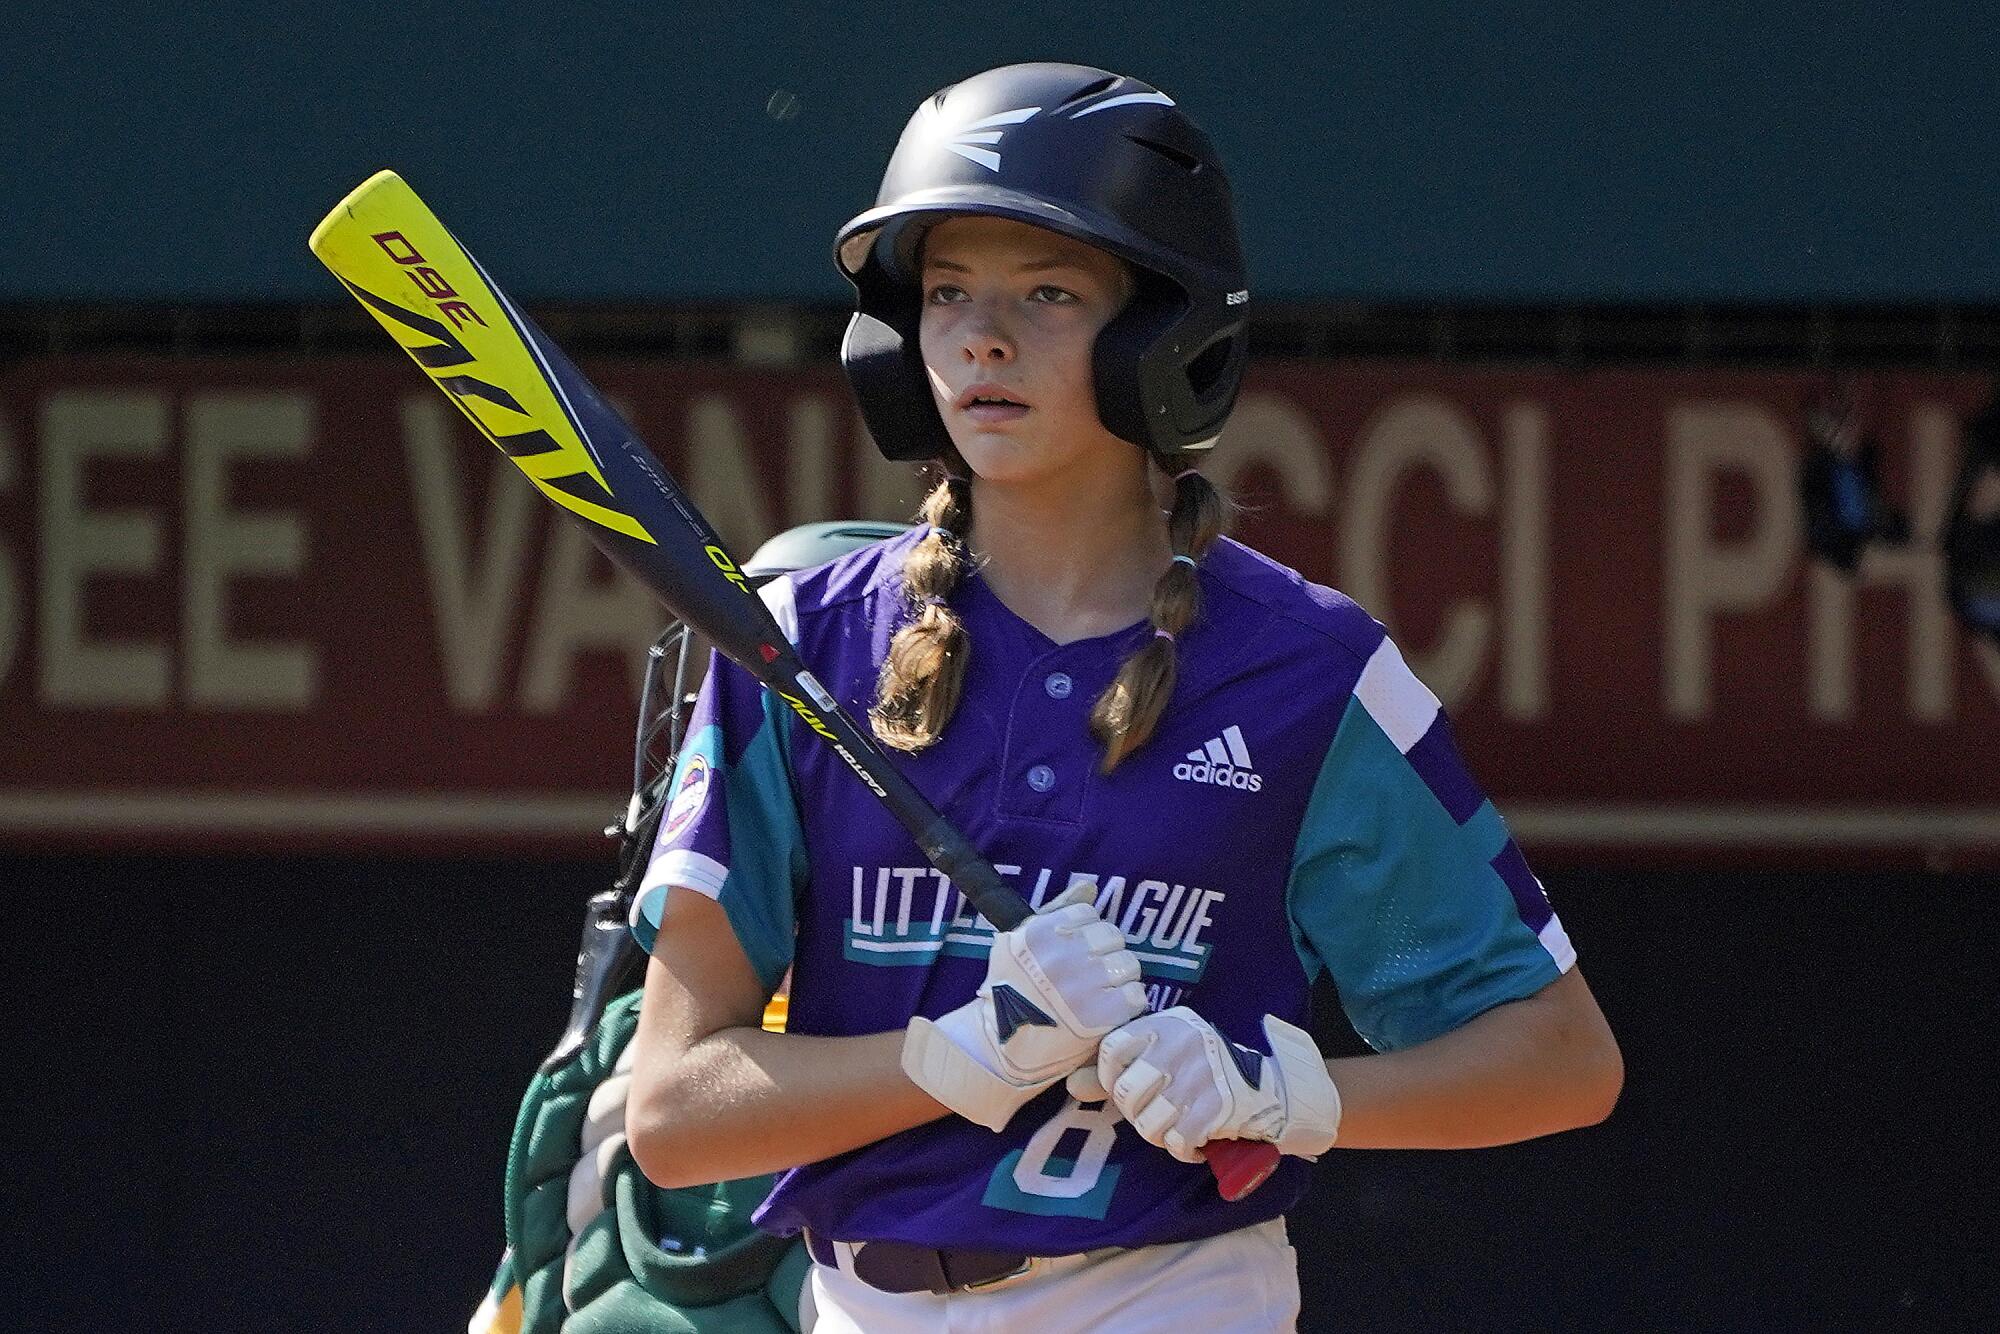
column 1242, row 1282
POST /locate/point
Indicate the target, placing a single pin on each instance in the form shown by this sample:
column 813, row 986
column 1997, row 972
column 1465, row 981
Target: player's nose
column 985, row 338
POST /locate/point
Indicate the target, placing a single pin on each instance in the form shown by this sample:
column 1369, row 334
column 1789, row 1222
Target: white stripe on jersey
column 1401, row 705
column 902, row 946
column 684, row 866
column 1556, row 941
column 778, row 596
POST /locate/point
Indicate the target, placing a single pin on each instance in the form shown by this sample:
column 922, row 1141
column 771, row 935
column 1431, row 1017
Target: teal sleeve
column 1404, row 905
column 732, row 829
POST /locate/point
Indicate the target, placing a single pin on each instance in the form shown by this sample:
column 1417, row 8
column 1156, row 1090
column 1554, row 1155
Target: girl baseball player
column 1213, row 778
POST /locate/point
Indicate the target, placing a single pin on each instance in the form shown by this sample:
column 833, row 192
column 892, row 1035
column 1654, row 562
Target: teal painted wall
column 1420, row 151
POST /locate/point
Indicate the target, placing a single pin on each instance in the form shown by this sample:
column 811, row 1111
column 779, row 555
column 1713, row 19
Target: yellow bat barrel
column 402, row 264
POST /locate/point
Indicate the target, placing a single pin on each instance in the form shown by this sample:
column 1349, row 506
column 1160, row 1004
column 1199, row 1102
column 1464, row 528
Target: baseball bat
column 520, row 392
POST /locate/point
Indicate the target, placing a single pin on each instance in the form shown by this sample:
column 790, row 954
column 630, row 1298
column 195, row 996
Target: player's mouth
column 991, row 404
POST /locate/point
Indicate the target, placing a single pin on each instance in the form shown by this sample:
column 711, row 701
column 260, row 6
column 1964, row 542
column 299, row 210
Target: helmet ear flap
column 1162, row 395
column 886, row 367
column 1124, row 348
column 1213, row 377
column 884, row 360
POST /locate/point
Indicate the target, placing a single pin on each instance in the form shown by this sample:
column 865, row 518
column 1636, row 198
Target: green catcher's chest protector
column 596, row 1248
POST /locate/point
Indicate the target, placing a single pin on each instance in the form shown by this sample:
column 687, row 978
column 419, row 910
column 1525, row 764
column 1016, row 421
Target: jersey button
column 1058, row 685
column 1041, row 778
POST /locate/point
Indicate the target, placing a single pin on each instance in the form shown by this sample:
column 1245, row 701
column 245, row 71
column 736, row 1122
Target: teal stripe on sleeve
column 1399, row 902
column 767, row 858
column 749, row 855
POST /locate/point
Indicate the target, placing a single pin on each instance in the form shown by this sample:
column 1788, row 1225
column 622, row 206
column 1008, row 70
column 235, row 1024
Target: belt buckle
column 1026, row 1266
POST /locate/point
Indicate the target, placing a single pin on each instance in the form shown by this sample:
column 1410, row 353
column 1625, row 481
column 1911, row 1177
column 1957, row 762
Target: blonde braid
column 1130, row 707
column 924, row 672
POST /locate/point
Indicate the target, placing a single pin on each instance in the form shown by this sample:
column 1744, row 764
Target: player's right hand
column 1054, row 986
column 1172, row 1076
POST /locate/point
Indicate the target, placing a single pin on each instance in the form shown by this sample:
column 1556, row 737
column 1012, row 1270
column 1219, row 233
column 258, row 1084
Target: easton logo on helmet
column 986, row 130
column 978, row 142
column 1224, row 761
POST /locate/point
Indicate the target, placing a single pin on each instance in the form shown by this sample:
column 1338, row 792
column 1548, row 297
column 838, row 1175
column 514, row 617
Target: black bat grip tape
column 974, row 875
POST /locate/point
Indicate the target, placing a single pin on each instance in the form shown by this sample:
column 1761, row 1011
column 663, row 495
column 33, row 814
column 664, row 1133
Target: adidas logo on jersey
column 1224, row 761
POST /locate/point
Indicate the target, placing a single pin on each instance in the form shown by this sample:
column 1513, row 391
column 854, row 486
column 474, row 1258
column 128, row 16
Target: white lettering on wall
column 1420, row 431
column 77, row 427
column 224, row 543
column 1270, row 430
column 520, row 597
column 1706, row 577
column 584, row 605
column 474, row 578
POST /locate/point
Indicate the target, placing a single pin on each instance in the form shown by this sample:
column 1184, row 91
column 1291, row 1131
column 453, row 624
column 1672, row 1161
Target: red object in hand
column 1240, row 1165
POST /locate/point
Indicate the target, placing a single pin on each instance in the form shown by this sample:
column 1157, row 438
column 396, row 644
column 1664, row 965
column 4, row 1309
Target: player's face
column 1009, row 319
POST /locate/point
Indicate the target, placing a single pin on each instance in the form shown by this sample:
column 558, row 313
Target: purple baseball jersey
column 1301, row 807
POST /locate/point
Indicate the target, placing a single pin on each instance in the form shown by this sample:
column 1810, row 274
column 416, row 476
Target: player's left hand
column 1181, row 1083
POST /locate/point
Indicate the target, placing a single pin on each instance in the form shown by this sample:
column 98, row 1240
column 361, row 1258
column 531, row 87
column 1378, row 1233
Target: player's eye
column 943, row 294
column 1050, row 294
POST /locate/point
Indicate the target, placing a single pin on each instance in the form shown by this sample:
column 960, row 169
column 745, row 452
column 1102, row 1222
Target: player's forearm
column 1533, row 1067
column 743, row 1101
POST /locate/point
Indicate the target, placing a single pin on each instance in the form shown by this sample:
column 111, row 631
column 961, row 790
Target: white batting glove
column 1181, row 1084
column 1054, row 985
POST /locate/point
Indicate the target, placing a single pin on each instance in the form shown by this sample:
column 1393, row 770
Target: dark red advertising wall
column 297, row 603
column 312, row 708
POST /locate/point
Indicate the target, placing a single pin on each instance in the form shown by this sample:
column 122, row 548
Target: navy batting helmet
column 1096, row 156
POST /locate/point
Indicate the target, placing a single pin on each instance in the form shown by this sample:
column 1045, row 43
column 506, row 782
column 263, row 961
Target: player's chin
column 1003, row 454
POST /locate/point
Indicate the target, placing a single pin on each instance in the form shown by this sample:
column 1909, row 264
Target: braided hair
column 1125, row 715
column 923, row 675
column 924, row 672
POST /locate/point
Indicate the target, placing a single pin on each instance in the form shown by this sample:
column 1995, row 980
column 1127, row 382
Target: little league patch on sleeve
column 690, row 790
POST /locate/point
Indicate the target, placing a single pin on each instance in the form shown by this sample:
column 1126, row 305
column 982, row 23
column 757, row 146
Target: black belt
column 898, row 1266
